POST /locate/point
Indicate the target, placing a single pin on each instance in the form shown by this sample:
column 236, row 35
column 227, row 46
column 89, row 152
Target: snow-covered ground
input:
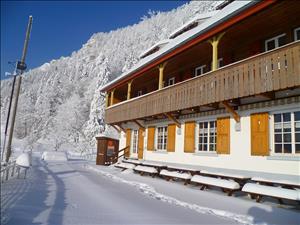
column 79, row 192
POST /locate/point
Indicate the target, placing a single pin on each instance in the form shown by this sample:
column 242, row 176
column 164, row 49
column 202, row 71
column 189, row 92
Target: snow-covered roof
column 224, row 14
column 197, row 20
column 159, row 45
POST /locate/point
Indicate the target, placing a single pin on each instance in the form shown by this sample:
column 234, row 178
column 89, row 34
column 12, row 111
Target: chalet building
column 223, row 91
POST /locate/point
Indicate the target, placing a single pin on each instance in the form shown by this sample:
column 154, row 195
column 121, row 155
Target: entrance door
column 134, row 144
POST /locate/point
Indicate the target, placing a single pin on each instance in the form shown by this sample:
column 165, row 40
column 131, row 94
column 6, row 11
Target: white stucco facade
column 240, row 157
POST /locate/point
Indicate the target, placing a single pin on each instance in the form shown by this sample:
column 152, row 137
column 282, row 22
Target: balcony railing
column 270, row 71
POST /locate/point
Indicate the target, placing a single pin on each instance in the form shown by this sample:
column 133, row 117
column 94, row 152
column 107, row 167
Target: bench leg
column 280, row 201
column 203, row 187
column 258, row 198
column 142, row 173
column 153, row 175
column 229, row 193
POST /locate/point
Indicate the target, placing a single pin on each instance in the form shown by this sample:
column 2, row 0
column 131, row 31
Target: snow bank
column 185, row 176
column 23, row 160
column 151, row 192
column 54, row 156
column 230, row 184
column 272, row 191
column 146, row 169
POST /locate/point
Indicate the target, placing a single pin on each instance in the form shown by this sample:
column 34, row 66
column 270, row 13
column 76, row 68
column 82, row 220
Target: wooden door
column 260, row 134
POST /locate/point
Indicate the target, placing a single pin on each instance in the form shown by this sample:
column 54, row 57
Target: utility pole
column 21, row 67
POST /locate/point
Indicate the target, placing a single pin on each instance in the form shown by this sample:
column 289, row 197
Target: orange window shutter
column 260, row 134
column 223, row 135
column 150, row 139
column 171, row 137
column 141, row 143
column 189, row 137
column 128, row 141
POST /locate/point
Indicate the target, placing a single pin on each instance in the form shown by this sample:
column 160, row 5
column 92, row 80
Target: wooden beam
column 173, row 119
column 119, row 125
column 269, row 95
column 231, row 110
column 235, row 101
column 116, row 128
column 139, row 124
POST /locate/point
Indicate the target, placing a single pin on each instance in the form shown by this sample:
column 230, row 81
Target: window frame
column 139, row 93
column 133, row 143
column 275, row 39
column 295, row 34
column 293, row 132
column 171, row 79
column 201, row 68
column 208, row 135
column 165, row 133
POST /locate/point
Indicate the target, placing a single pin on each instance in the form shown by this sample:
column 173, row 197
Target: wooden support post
column 107, row 99
column 230, row 109
column 122, row 129
column 129, row 90
column 116, row 128
column 139, row 124
column 215, row 42
column 173, row 119
column 112, row 97
column 161, row 68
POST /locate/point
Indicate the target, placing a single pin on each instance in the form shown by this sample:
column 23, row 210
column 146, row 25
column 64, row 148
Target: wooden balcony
column 267, row 72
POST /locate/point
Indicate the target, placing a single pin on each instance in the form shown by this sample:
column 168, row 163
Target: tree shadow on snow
column 44, row 201
column 275, row 215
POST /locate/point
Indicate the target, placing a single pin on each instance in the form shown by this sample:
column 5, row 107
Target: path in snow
column 67, row 193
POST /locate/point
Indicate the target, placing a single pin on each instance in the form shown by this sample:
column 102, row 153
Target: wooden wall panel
column 189, row 136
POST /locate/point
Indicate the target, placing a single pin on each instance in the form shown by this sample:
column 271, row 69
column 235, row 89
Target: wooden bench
column 125, row 166
column 146, row 170
column 182, row 169
column 132, row 161
column 227, row 186
column 157, row 166
column 241, row 179
column 257, row 191
column 271, row 182
column 168, row 175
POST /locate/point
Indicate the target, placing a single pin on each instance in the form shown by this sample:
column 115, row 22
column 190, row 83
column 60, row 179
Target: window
column 297, row 34
column 139, row 93
column 207, row 136
column 200, row 70
column 171, row 81
column 275, row 42
column 134, row 141
column 162, row 138
column 220, row 62
column 286, row 133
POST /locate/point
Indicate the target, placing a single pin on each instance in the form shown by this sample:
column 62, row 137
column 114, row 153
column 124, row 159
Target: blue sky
column 61, row 27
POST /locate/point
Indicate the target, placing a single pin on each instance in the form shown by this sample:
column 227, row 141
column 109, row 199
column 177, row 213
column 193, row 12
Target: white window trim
column 201, row 68
column 156, row 138
column 273, row 39
column 131, row 142
column 139, row 93
column 171, row 79
column 271, row 133
column 197, row 137
column 295, row 33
